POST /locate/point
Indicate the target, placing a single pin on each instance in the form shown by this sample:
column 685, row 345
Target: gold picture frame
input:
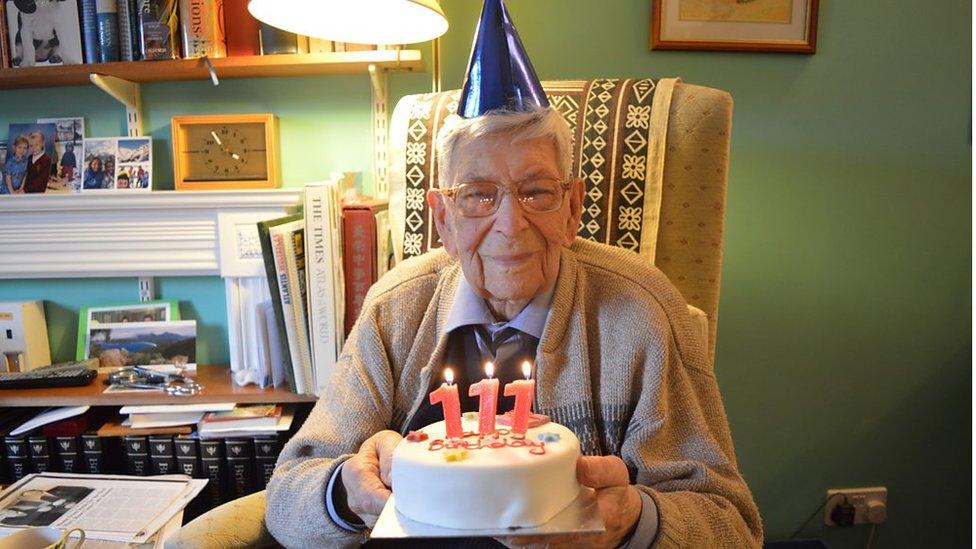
column 735, row 25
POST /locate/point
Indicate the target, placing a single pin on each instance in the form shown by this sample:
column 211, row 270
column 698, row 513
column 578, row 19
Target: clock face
column 225, row 152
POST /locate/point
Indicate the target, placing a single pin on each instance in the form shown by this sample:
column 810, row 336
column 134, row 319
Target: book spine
column 358, row 259
column 4, row 33
column 240, row 466
column 320, row 264
column 136, row 455
column 126, row 46
column 241, row 28
column 288, row 312
column 187, row 458
column 214, row 468
column 107, row 17
column 18, row 464
column 201, row 28
column 319, row 45
column 159, row 29
column 267, row 253
column 296, row 274
column 89, row 31
column 275, row 41
column 40, row 454
column 266, row 450
column 67, row 449
column 162, row 457
column 91, row 453
column 134, row 29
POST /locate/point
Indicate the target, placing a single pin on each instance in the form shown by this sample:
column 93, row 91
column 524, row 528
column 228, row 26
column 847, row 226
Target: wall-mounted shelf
column 355, row 62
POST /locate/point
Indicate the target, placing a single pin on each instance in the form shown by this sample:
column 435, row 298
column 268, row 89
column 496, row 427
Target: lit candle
column 447, row 396
column 523, row 391
column 487, row 393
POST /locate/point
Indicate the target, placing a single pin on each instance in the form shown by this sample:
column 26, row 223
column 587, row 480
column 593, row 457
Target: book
column 240, row 466
column 209, row 431
column 274, row 345
column 266, row 450
column 40, row 454
column 89, row 30
column 159, row 29
column 363, row 230
column 143, row 421
column 214, row 468
column 126, row 37
column 324, row 274
column 267, row 254
column 68, row 458
column 18, row 464
column 254, row 414
column 136, row 455
column 4, row 33
column 294, row 250
column 298, row 349
column 320, row 45
column 107, row 18
column 242, row 30
column 162, row 456
column 202, row 28
column 91, row 452
column 275, row 41
column 43, row 33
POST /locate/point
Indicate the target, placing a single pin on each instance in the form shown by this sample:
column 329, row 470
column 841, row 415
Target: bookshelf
column 218, row 387
column 355, row 62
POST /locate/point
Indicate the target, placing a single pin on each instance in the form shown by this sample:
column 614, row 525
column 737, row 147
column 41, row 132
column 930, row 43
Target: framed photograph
column 145, row 311
column 29, row 166
column 43, row 33
column 69, row 138
column 143, row 343
column 735, row 25
column 117, row 163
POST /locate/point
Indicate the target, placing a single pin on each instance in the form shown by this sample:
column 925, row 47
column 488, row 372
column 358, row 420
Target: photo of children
column 121, row 163
column 29, row 167
column 68, row 149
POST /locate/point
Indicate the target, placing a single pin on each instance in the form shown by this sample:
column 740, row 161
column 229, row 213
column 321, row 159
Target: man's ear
column 575, row 209
column 440, row 214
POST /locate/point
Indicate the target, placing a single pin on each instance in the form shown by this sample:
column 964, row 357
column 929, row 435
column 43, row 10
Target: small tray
column 582, row 516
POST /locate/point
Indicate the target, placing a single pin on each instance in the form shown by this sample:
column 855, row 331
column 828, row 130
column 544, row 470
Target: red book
column 242, row 30
column 359, row 246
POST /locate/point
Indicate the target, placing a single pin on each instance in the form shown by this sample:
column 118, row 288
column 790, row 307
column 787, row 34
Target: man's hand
column 366, row 476
column 619, row 503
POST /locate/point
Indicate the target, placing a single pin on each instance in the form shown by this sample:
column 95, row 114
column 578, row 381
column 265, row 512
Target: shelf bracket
column 381, row 182
column 125, row 92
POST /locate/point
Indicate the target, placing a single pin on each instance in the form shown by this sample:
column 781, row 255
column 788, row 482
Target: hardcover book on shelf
column 256, row 415
column 4, row 40
column 324, row 273
column 214, row 468
column 364, row 227
column 202, row 28
column 275, row 41
column 40, row 453
column 243, row 32
column 159, row 29
column 240, row 466
column 267, row 253
column 89, row 30
column 127, row 44
column 291, row 308
column 266, row 450
column 107, row 16
column 43, row 33
column 162, row 455
column 68, row 460
column 136, row 455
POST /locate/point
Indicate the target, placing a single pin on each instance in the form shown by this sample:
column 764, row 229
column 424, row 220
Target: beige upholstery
column 688, row 249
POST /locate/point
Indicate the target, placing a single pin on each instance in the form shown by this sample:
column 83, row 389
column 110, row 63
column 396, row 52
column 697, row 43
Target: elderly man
column 615, row 353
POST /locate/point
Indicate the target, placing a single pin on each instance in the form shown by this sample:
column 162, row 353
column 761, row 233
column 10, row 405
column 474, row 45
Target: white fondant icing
column 490, row 487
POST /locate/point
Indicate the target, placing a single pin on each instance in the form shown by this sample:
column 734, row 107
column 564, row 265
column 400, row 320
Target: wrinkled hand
column 366, row 476
column 619, row 503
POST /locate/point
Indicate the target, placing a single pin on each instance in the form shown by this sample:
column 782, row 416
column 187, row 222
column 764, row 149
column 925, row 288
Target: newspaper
column 106, row 507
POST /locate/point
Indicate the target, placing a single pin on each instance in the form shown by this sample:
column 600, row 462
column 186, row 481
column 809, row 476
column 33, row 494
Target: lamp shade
column 356, row 21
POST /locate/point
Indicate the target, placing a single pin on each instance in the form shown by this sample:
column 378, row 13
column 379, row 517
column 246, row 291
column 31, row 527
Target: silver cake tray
column 582, row 516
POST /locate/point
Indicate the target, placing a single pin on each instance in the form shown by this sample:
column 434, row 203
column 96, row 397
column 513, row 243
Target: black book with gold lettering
column 40, row 453
column 136, row 455
column 68, row 460
column 240, row 466
column 214, row 469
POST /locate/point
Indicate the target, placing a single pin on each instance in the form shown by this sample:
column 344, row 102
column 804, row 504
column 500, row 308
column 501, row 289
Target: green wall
column 844, row 343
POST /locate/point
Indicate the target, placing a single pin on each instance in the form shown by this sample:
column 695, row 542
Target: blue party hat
column 500, row 75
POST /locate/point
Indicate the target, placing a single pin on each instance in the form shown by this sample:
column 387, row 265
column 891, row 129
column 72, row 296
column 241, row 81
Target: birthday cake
column 500, row 480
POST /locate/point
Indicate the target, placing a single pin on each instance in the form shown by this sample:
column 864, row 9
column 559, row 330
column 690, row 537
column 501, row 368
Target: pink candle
column 447, row 396
column 523, row 391
column 487, row 392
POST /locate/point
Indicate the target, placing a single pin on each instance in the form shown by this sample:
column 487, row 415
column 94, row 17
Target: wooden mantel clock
column 229, row 151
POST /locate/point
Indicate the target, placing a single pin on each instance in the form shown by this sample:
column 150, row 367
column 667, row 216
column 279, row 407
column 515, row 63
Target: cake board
column 582, row 516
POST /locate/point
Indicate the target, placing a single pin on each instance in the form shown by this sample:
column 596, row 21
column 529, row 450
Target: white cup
column 42, row 538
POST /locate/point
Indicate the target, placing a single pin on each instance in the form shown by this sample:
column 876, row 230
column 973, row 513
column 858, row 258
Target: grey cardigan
column 618, row 363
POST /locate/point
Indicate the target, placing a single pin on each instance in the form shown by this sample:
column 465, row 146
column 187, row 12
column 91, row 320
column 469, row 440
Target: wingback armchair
column 654, row 155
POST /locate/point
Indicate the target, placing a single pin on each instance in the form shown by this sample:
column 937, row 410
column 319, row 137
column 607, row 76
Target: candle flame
column 526, row 369
column 449, row 376
column 489, row 369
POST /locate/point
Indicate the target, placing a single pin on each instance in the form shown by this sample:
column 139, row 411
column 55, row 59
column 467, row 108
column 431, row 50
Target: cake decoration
column 548, row 437
column 524, row 391
column 417, row 436
column 447, row 396
column 456, row 455
column 535, row 420
column 470, row 416
column 487, row 392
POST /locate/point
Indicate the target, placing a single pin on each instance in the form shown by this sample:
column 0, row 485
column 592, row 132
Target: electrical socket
column 870, row 504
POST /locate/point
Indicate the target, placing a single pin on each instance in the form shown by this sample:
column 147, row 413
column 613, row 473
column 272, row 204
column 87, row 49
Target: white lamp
column 356, row 21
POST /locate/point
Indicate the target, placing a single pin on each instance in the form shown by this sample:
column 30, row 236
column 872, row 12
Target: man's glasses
column 481, row 198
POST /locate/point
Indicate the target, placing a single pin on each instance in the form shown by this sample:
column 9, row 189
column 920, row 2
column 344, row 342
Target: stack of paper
column 168, row 415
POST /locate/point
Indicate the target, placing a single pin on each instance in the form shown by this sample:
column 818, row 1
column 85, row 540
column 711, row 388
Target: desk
column 218, row 387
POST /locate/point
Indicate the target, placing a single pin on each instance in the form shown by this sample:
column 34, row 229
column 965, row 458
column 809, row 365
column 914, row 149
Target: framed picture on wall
column 735, row 25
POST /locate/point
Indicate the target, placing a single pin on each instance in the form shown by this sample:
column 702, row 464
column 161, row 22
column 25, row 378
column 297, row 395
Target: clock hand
column 217, row 139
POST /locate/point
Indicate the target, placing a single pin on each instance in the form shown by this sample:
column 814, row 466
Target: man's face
column 510, row 255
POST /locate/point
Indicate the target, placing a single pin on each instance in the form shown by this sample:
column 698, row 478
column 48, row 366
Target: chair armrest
column 235, row 524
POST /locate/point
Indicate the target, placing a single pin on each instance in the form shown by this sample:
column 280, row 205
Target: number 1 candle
column 487, row 392
column 447, row 396
column 523, row 391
